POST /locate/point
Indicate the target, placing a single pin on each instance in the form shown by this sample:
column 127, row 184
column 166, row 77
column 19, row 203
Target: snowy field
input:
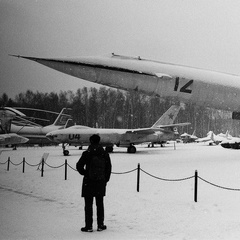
column 49, row 207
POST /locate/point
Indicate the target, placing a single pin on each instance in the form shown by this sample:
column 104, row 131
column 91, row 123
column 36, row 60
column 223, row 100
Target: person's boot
column 101, row 228
column 86, row 229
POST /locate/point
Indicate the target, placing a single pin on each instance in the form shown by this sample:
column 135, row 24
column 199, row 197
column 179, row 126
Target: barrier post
column 138, row 177
column 65, row 169
column 23, row 165
column 8, row 165
column 196, row 186
column 42, row 170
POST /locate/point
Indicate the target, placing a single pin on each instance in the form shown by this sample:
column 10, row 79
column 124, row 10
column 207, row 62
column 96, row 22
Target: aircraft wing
column 175, row 125
column 205, row 139
column 143, row 131
column 164, row 128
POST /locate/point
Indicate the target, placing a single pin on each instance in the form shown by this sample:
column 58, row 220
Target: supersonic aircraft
column 187, row 84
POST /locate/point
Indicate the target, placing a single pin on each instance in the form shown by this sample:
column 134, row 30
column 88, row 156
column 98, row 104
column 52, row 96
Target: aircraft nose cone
column 50, row 136
column 24, row 140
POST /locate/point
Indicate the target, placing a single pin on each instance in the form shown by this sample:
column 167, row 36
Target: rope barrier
column 3, row 163
column 126, row 172
column 72, row 168
column 32, row 165
column 53, row 166
column 218, row 186
column 16, row 164
column 165, row 179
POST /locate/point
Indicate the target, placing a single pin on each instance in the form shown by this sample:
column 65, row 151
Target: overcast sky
column 204, row 34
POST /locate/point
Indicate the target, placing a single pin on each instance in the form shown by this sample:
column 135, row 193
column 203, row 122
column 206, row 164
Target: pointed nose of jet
column 51, row 136
column 24, row 140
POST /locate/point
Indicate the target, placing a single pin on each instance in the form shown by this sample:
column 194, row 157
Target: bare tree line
column 110, row 108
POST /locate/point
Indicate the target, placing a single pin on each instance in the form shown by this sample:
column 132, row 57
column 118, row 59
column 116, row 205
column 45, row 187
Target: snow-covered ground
column 49, row 207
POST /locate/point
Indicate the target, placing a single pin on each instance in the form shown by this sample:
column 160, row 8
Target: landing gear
column 131, row 149
column 150, row 145
column 109, row 149
column 65, row 152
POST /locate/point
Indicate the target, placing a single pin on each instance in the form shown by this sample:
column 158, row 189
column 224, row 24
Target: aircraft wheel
column 65, row 152
column 109, row 149
column 131, row 149
column 80, row 148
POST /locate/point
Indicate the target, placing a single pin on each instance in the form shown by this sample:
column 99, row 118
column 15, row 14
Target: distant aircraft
column 211, row 138
column 162, row 130
column 233, row 143
column 208, row 138
column 12, row 139
column 187, row 84
column 187, row 138
column 36, row 133
column 6, row 116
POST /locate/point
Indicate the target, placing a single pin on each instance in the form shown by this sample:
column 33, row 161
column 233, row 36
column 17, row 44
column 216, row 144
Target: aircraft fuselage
column 12, row 139
column 109, row 137
column 187, row 84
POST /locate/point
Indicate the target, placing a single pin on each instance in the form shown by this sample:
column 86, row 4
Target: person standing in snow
column 95, row 166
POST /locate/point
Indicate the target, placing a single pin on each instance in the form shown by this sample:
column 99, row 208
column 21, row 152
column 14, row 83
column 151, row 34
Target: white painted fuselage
column 187, row 84
column 120, row 137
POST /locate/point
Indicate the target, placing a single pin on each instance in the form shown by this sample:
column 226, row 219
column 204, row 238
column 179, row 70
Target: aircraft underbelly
column 128, row 139
column 218, row 96
column 109, row 139
column 156, row 137
column 182, row 88
column 127, row 80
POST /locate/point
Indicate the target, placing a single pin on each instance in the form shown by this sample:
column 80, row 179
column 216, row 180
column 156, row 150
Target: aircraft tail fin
column 211, row 134
column 168, row 117
column 227, row 134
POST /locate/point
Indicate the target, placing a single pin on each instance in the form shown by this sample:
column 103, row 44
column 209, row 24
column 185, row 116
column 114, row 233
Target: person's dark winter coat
column 90, row 187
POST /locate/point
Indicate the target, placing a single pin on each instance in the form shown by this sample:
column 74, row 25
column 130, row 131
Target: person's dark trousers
column 89, row 211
